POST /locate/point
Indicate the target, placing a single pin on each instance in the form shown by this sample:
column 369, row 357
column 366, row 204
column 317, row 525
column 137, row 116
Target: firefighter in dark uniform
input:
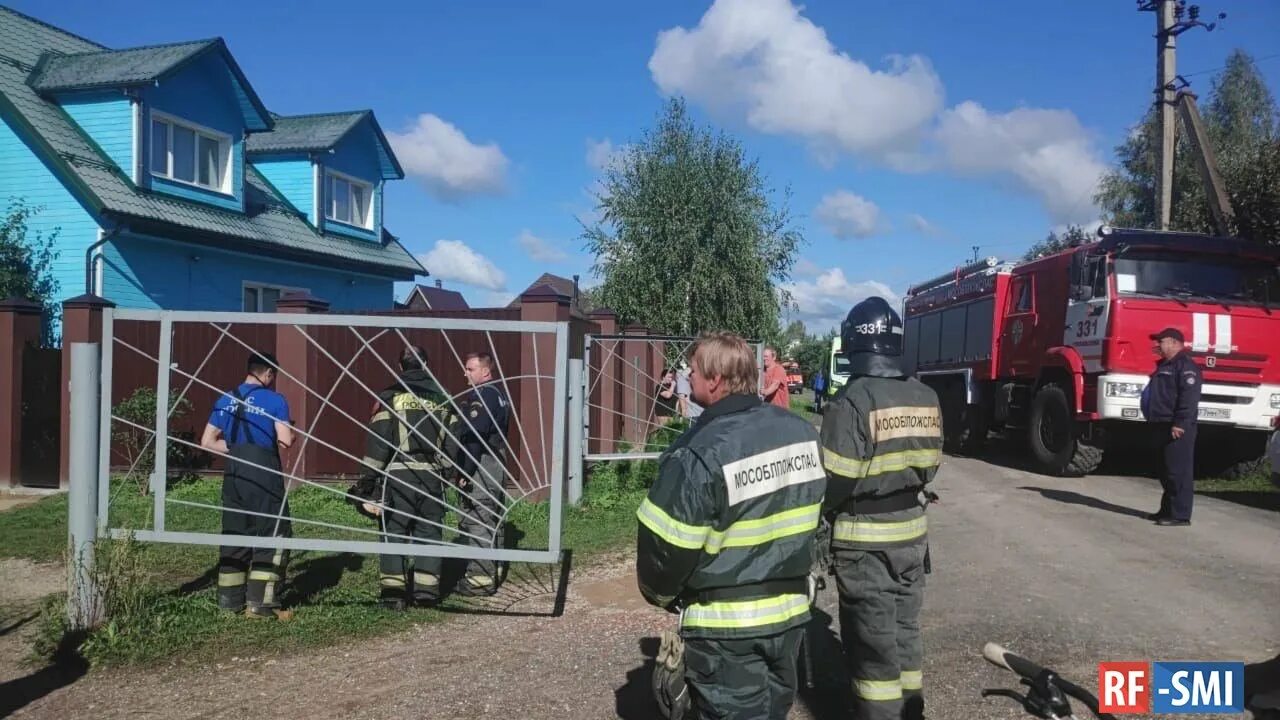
column 726, row 538
column 248, row 425
column 481, row 431
column 1171, row 402
column 407, row 441
column 882, row 443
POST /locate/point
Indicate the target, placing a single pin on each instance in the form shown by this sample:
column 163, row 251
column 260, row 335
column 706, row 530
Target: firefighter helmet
column 669, row 686
column 872, row 326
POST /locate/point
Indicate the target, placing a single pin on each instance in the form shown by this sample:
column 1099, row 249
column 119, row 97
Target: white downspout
column 136, row 171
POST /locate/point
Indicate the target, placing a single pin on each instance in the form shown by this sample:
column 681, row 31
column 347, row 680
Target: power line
column 1264, row 58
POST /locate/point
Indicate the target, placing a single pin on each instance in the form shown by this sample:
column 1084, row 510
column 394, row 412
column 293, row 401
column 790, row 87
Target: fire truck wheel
column 1055, row 445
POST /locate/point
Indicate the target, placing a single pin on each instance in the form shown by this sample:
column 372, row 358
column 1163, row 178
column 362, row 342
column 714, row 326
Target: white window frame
column 260, row 286
column 224, row 152
column 329, row 176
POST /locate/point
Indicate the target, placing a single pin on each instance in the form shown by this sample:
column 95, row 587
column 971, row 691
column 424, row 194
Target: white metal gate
column 334, row 347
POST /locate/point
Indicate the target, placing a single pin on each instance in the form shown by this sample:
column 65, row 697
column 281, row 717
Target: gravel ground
column 1061, row 570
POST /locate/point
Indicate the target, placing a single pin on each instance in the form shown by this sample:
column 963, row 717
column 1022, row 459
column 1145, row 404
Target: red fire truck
column 1056, row 350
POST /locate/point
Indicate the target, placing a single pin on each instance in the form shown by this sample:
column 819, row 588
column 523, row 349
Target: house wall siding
column 292, row 176
column 107, row 118
column 157, row 274
column 24, row 176
column 357, row 156
column 202, row 94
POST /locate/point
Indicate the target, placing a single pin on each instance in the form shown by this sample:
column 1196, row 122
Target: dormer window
column 350, row 200
column 187, row 153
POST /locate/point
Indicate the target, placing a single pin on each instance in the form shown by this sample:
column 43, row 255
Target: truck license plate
column 1215, row 413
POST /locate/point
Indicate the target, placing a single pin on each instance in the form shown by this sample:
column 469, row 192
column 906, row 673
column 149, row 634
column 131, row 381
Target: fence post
column 83, row 606
column 604, row 393
column 19, row 326
column 635, row 354
column 576, row 430
column 299, row 359
column 534, row 410
column 81, row 323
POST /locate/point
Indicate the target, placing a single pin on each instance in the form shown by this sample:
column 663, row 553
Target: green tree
column 813, row 352
column 691, row 238
column 26, row 264
column 1243, row 124
column 1074, row 235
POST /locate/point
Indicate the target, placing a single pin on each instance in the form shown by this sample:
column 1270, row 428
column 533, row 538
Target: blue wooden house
column 171, row 186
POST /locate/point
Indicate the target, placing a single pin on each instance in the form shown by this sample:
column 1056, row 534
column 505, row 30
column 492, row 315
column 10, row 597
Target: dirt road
column 1062, row 570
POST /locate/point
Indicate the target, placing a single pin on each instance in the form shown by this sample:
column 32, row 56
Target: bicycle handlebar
column 998, row 656
column 1031, row 673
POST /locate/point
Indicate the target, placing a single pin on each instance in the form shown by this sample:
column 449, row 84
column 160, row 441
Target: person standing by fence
column 248, row 426
column 405, row 448
column 486, row 410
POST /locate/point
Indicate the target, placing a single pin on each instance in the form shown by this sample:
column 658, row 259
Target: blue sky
column 908, row 132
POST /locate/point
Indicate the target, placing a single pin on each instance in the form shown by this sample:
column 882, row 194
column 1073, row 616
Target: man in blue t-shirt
column 247, row 427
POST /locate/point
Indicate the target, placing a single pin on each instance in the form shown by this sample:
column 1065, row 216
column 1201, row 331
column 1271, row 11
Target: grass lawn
column 163, row 598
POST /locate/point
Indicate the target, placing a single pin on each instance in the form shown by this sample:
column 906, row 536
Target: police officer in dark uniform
column 249, row 424
column 408, row 442
column 481, row 432
column 726, row 538
column 882, row 443
column 1171, row 403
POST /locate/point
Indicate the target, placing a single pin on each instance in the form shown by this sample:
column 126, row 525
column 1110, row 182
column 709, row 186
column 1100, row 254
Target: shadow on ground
column 1071, row 497
column 634, row 700
column 68, row 666
column 1252, row 498
column 524, row 590
column 824, row 686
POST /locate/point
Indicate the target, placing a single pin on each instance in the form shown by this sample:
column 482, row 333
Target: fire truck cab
column 1058, row 348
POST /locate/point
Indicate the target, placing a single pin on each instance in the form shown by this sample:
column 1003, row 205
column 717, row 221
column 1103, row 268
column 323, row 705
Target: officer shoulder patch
column 766, row 472
column 1191, row 379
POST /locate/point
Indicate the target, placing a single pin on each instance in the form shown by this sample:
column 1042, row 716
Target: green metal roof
column 98, row 68
column 320, row 132
column 305, row 133
column 269, row 225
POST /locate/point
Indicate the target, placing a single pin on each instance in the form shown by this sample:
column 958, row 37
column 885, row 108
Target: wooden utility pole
column 1166, row 71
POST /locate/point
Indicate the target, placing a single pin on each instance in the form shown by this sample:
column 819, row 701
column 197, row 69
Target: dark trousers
column 252, row 495
column 817, row 401
column 415, row 515
column 744, row 677
column 881, row 593
column 1177, row 461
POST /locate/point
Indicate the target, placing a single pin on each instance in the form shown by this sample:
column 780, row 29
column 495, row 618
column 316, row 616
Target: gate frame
column 89, row 485
column 585, row 427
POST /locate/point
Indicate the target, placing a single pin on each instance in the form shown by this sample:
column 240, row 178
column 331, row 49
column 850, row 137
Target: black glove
column 365, row 490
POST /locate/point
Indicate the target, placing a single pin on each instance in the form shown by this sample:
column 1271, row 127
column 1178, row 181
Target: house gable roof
column 269, row 225
column 57, row 72
column 435, row 298
column 322, row 132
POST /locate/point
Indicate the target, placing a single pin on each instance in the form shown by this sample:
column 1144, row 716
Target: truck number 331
column 1086, row 328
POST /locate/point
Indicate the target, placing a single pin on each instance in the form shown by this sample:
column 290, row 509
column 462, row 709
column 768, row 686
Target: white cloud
column 454, row 260
column 1045, row 152
column 847, row 216
column 764, row 62
column 496, row 299
column 603, row 153
column 449, row 165
column 921, row 225
column 764, row 59
column 823, row 302
column 540, row 250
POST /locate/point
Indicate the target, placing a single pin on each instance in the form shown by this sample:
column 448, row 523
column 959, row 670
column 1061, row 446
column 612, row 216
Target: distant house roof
column 429, row 297
column 320, row 132
column 101, row 68
column 268, row 225
column 564, row 287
